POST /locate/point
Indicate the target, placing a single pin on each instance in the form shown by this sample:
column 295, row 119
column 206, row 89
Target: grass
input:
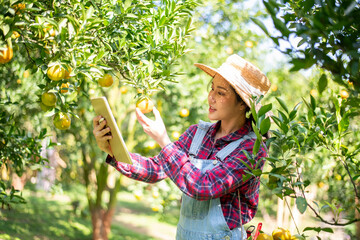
column 46, row 217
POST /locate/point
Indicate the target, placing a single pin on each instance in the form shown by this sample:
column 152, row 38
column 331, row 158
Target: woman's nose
column 211, row 97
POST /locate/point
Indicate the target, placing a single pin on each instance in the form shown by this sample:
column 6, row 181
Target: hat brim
column 212, row 72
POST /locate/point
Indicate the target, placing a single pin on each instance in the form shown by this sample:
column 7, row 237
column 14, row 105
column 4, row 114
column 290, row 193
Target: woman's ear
column 243, row 106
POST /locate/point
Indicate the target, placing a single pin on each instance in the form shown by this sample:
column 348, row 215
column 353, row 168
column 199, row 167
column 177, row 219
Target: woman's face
column 223, row 104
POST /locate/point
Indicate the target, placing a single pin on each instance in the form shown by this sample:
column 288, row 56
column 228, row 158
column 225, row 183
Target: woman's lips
column 212, row 109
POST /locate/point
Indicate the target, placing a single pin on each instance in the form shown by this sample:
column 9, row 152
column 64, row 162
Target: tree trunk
column 280, row 212
column 101, row 222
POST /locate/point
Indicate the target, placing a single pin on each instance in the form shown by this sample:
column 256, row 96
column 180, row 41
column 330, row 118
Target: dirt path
column 144, row 224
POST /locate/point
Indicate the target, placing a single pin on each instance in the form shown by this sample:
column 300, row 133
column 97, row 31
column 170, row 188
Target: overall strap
column 223, row 153
column 202, row 129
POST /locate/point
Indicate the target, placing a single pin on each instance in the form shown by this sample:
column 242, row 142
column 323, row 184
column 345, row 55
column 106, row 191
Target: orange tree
column 326, row 129
column 75, row 46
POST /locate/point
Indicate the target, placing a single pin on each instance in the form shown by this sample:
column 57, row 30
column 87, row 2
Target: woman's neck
column 227, row 127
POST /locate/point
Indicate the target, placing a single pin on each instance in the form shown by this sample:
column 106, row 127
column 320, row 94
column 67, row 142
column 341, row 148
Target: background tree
column 325, row 34
column 73, row 47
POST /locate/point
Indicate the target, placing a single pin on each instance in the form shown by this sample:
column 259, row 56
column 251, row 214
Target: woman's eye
column 221, row 93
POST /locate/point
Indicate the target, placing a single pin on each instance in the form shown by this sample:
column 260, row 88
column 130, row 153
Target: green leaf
column 265, row 126
column 261, row 25
column 344, row 123
column 264, row 109
column 322, row 84
column 282, row 104
column 301, row 204
column 256, row 147
column 312, row 103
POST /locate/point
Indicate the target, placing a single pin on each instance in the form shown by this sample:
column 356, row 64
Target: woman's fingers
column 142, row 118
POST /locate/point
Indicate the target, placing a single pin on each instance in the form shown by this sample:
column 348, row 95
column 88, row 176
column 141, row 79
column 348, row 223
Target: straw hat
column 243, row 76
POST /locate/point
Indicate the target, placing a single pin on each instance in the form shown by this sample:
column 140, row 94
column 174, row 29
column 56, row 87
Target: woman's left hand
column 155, row 129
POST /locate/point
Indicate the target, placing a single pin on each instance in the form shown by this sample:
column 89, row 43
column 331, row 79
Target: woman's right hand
column 102, row 135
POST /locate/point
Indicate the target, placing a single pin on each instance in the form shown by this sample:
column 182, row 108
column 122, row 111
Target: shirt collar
column 244, row 130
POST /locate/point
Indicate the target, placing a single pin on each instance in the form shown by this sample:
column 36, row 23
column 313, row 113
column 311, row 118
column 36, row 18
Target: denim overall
column 204, row 220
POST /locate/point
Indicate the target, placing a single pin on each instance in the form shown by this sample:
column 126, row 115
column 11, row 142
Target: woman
column 205, row 162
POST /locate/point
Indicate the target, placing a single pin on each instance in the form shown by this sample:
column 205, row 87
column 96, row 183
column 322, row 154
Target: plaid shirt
column 222, row 181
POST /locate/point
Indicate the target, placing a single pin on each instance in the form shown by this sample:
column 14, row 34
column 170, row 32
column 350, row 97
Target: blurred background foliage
column 149, row 49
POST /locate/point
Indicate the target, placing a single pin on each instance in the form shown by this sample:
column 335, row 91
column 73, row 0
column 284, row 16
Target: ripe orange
column 6, row 54
column 145, row 105
column 155, row 208
column 62, row 121
column 138, row 195
column 274, row 88
column 19, row 8
column 344, row 94
column 264, row 236
column 155, row 194
column 123, row 90
column 18, row 81
column 64, row 88
column 26, row 74
column 56, row 72
column 175, row 135
column 15, row 34
column 184, row 112
column 49, row 99
column 229, row 50
column 249, row 44
column 313, row 92
column 281, row 234
column 106, row 80
column 68, row 72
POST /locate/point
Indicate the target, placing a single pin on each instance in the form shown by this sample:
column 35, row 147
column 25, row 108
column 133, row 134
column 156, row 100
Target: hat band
column 233, row 75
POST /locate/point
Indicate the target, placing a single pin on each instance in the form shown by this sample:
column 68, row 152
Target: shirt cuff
column 110, row 160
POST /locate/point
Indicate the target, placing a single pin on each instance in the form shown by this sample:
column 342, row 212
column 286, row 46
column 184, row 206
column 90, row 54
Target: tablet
column 117, row 143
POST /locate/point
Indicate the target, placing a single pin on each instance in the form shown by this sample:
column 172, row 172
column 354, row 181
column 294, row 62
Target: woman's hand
column 102, row 135
column 155, row 129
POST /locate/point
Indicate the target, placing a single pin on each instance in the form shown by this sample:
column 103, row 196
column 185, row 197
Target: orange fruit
column 281, row 234
column 56, row 72
column 26, row 74
column 175, row 135
column 64, row 87
column 313, row 92
column 18, row 81
column 123, row 90
column 62, row 121
column 229, row 50
column 45, row 108
column 68, row 72
column 49, row 99
column 344, row 94
column 155, row 194
column 15, row 34
column 184, row 112
column 249, row 44
column 19, row 8
column 6, row 54
column 155, row 208
column 264, row 236
column 274, row 88
column 138, row 195
column 106, row 80
column 145, row 105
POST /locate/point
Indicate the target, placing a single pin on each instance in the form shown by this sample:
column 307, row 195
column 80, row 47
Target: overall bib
column 204, row 220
